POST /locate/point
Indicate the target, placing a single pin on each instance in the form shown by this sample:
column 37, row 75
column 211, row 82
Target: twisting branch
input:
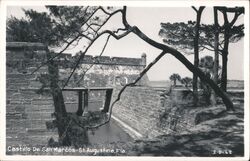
column 112, row 33
column 195, row 9
column 90, row 26
column 236, row 10
column 85, row 36
column 104, row 22
column 52, row 58
column 82, row 54
column 236, row 15
column 69, row 43
column 75, row 44
column 104, row 47
column 226, row 100
column 95, row 24
column 79, row 35
column 110, row 14
column 145, row 70
column 204, row 47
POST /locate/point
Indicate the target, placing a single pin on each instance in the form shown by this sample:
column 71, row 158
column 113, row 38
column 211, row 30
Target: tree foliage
column 175, row 77
column 187, row 81
column 228, row 30
column 206, row 65
column 36, row 28
column 181, row 35
column 54, row 28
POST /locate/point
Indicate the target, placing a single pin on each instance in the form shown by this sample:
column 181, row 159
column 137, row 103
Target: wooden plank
column 74, row 89
column 79, row 110
column 85, row 89
column 107, row 100
column 86, row 101
column 100, row 88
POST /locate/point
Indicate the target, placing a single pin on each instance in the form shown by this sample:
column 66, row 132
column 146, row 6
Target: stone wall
column 100, row 71
column 139, row 108
column 27, row 111
column 150, row 112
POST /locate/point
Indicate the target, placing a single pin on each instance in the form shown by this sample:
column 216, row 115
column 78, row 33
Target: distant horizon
column 165, row 84
column 190, row 77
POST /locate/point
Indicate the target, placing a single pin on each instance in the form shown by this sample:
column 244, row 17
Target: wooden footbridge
column 83, row 93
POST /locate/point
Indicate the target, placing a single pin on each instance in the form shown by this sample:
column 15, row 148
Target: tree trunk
column 216, row 54
column 196, row 53
column 216, row 46
column 225, row 52
column 226, row 100
column 224, row 70
column 60, row 110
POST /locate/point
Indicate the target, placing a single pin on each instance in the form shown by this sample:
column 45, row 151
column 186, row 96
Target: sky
column 148, row 19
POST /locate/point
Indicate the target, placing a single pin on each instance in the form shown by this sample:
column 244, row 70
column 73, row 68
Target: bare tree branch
column 104, row 47
column 85, row 36
column 195, row 9
column 204, row 47
column 110, row 14
column 52, row 58
column 91, row 43
column 231, row 9
column 226, row 100
column 90, row 26
column 236, row 15
column 76, row 43
column 80, row 34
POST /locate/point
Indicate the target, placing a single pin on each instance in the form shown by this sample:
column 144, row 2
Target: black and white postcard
column 87, row 80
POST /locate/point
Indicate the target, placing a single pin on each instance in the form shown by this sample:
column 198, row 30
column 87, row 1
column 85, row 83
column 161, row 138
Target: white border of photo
column 187, row 3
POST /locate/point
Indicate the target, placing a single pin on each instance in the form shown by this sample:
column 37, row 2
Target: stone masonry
column 27, row 111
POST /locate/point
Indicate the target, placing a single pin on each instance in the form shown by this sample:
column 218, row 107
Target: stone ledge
column 23, row 45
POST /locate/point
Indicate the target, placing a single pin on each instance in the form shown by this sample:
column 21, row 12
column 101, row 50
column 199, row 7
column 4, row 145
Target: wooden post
column 107, row 100
column 79, row 110
column 86, row 98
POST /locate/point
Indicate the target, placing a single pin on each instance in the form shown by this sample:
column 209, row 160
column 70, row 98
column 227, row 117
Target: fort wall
column 28, row 111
